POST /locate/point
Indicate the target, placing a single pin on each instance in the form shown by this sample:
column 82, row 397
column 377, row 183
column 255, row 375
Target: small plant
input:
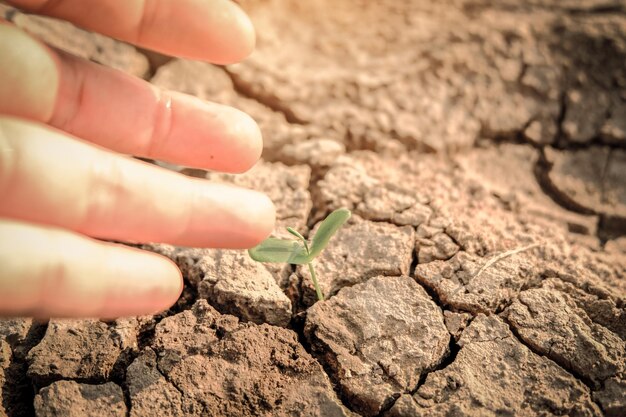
column 299, row 252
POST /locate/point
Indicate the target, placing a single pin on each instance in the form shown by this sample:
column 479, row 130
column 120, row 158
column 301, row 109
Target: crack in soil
column 608, row 225
column 18, row 392
column 169, row 381
column 120, row 380
column 542, row 170
column 453, row 350
column 298, row 328
column 586, row 381
column 388, row 405
column 271, row 102
column 19, row 396
column 298, row 317
column 429, row 290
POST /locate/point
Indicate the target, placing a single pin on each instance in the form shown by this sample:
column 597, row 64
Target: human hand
column 65, row 124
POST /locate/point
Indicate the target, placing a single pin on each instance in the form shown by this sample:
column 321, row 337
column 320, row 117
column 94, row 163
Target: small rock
column 616, row 246
column 611, row 397
column 81, row 349
column 15, row 330
column 21, row 334
column 438, row 247
column 542, row 132
column 494, row 374
column 150, row 393
column 69, row 398
column 357, row 252
column 456, row 322
column 378, row 338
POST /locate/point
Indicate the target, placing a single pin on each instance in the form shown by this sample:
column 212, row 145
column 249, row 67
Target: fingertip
column 162, row 286
column 260, row 219
column 266, row 219
column 208, row 135
column 249, row 35
column 245, row 132
column 172, row 286
column 243, row 41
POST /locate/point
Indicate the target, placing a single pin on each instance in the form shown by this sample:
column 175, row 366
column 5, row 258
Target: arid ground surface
column 481, row 146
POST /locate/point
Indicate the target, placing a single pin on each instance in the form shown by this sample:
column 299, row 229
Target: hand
column 61, row 121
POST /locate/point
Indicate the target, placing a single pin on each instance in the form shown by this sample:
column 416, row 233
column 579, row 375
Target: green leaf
column 295, row 233
column 327, row 229
column 279, row 250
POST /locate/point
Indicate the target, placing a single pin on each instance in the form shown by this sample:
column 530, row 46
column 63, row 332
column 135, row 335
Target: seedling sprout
column 299, row 252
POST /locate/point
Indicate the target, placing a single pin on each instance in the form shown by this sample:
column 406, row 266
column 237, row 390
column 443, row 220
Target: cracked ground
column 481, row 146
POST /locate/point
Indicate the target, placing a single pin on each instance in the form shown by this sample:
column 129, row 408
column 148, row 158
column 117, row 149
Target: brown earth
column 482, row 149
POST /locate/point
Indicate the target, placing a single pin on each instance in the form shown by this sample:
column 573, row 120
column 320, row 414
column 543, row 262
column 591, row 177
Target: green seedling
column 299, row 252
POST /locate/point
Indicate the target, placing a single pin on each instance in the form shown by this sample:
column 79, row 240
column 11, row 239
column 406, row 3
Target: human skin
column 67, row 127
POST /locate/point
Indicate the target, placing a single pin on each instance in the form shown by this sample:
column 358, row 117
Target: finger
column 49, row 272
column 47, row 177
column 121, row 112
column 214, row 30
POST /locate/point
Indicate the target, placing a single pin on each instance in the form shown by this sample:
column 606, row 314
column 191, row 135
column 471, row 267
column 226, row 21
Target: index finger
column 212, row 30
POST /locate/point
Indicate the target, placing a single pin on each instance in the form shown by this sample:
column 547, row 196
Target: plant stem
column 318, row 290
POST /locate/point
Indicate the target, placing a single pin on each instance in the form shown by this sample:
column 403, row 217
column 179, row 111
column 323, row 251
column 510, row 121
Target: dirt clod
column 68, row 398
column 591, row 180
column 223, row 367
column 150, row 393
column 86, row 350
column 551, row 323
column 236, row 284
column 377, row 338
column 358, row 252
column 611, row 398
column 495, row 374
column 456, row 322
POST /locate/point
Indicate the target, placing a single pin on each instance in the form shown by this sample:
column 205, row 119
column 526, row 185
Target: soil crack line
column 271, row 102
column 169, row 381
column 574, row 374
